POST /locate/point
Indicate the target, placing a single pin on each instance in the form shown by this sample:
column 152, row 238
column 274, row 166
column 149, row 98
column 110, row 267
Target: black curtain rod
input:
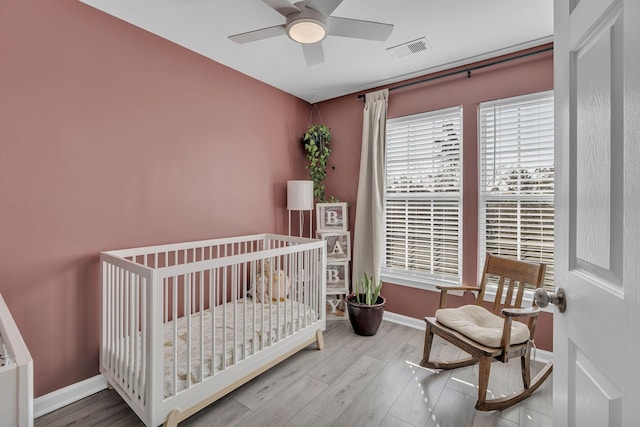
column 468, row 70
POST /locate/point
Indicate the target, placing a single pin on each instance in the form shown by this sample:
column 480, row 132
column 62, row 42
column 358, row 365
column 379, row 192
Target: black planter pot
column 365, row 319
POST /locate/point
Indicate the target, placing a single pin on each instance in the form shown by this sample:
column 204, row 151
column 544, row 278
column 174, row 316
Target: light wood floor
column 354, row 381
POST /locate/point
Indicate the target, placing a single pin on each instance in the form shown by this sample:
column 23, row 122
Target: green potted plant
column 316, row 146
column 366, row 306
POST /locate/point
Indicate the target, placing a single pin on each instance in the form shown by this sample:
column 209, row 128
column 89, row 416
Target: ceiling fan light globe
column 306, row 31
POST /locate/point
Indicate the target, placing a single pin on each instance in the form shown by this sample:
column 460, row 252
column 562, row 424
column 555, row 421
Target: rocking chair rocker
column 485, row 335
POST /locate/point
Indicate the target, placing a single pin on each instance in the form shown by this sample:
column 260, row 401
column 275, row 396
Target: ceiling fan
column 308, row 23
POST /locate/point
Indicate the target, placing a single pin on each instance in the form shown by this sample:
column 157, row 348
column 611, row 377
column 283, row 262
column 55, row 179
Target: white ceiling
column 458, row 32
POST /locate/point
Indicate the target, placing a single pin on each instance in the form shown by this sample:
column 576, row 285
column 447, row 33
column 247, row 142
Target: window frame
column 484, row 196
column 417, row 279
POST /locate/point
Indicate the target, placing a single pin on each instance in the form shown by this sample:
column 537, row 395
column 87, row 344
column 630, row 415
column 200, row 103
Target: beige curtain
column 369, row 224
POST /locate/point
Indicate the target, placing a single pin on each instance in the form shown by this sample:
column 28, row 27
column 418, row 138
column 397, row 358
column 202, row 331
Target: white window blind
column 423, row 195
column 517, row 179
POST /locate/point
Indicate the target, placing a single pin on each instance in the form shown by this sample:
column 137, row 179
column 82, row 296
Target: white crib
column 180, row 328
column 16, row 374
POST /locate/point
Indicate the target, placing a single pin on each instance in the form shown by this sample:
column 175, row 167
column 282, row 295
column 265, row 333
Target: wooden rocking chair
column 485, row 335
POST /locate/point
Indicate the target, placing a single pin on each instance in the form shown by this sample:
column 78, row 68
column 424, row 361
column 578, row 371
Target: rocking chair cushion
column 481, row 325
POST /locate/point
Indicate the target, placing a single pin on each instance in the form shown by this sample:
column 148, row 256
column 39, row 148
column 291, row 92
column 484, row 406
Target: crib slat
column 131, row 333
column 166, row 301
column 213, row 292
column 224, row 315
column 108, row 314
column 262, row 340
column 116, row 314
column 254, row 334
column 120, row 316
column 137, row 335
column 187, row 313
column 202, row 337
column 104, row 315
column 267, row 303
column 174, row 318
column 313, row 298
column 234, row 297
column 314, row 283
column 143, row 343
column 293, row 278
column 276, row 275
column 245, row 274
column 308, row 297
column 285, row 269
column 125, row 330
column 122, row 321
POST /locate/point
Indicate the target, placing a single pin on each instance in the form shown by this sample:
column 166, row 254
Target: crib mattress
column 233, row 333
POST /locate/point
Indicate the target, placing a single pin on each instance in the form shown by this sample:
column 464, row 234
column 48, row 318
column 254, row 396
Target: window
column 516, row 179
column 423, row 197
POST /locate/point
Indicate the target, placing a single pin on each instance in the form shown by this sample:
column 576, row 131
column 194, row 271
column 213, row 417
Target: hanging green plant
column 316, row 145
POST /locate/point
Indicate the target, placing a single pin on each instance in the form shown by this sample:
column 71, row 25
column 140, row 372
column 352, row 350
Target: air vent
column 414, row 46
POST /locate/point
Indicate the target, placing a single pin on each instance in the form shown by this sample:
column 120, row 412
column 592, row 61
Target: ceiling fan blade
column 283, row 7
column 325, row 7
column 313, row 53
column 354, row 28
column 263, row 33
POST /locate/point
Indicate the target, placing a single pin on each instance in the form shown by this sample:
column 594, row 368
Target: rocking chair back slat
column 519, row 296
column 498, row 299
column 509, row 299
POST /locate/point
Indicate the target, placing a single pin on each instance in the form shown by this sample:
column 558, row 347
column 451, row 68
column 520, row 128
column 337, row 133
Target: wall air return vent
column 408, row 48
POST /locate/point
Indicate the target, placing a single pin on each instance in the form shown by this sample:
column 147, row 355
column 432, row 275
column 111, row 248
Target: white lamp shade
column 300, row 195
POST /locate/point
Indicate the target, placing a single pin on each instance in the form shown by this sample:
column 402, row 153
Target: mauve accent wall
column 112, row 137
column 344, row 116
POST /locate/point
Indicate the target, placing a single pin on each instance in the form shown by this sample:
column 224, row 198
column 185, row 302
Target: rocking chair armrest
column 521, row 312
column 509, row 314
column 444, row 288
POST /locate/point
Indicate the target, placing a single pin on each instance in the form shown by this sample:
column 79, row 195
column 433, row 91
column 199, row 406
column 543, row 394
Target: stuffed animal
column 270, row 284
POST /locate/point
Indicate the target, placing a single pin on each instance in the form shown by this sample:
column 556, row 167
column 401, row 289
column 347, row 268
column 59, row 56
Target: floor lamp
column 300, row 198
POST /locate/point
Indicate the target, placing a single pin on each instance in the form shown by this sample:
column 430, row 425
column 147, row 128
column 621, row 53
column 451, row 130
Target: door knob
column 543, row 298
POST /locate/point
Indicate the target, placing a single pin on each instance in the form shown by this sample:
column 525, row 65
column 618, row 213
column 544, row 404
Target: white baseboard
column 539, row 355
column 543, row 356
column 67, row 395
column 401, row 319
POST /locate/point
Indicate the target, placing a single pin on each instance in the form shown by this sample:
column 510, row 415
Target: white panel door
column 597, row 91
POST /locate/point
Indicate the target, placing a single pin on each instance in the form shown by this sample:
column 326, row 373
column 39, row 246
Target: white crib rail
column 145, row 289
column 16, row 374
column 125, row 336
